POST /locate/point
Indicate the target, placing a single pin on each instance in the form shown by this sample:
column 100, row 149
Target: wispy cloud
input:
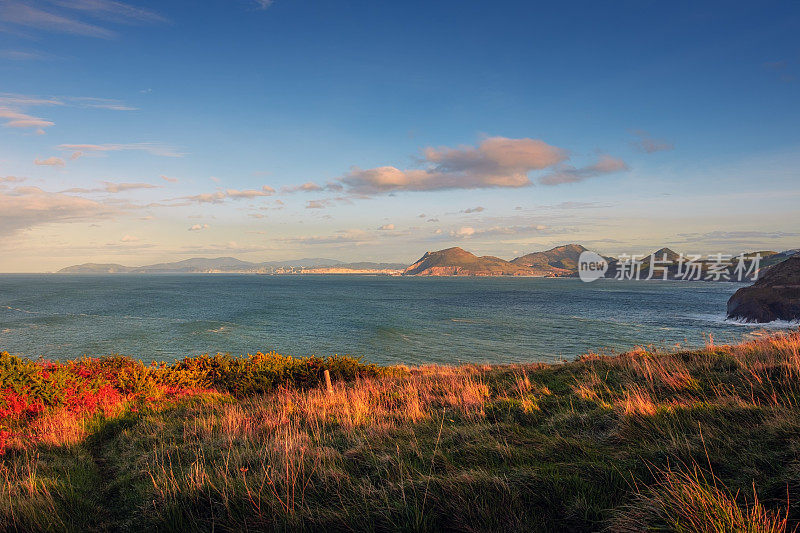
column 70, row 17
column 469, row 231
column 265, row 190
column 305, row 187
column 745, row 237
column 206, row 198
column 150, row 148
column 351, row 236
column 569, row 174
column 264, row 4
column 50, row 162
column 649, row 145
column 111, row 187
column 14, row 108
column 22, row 55
column 28, row 207
column 472, row 210
column 120, row 187
column 198, row 227
column 97, row 103
column 575, row 205
column 17, row 119
column 386, row 227
column 169, row 179
column 112, row 10
column 27, row 16
column 220, row 196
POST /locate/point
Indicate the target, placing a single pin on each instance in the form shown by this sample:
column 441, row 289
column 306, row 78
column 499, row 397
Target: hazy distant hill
column 95, row 268
column 200, row 264
column 459, row 262
column 224, row 264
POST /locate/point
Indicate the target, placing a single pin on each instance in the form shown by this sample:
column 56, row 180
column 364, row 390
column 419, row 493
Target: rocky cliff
column 775, row 296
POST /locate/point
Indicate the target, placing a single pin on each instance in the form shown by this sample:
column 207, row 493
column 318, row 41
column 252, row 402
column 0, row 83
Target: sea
column 382, row 319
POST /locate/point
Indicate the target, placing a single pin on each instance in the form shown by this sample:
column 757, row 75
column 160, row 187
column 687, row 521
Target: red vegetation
column 36, row 396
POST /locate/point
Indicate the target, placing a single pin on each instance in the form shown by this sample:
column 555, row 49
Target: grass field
column 705, row 440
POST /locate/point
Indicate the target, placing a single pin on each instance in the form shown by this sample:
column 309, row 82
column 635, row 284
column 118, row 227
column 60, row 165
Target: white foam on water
column 723, row 319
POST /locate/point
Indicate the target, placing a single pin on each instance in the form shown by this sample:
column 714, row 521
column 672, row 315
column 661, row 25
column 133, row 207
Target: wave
column 723, row 319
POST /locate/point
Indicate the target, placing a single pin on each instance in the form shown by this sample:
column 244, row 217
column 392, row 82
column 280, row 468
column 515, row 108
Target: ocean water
column 382, row 319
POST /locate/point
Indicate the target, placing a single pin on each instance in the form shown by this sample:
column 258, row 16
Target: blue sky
column 511, row 126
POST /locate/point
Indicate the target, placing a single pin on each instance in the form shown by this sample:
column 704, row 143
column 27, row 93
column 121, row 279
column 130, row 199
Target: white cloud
column 129, row 238
column 198, row 227
column 386, row 227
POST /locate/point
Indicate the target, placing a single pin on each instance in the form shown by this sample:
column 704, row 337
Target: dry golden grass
column 586, row 444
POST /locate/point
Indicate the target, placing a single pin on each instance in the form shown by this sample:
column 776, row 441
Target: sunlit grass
column 229, row 443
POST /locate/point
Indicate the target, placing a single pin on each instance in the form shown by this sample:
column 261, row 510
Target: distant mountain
column 563, row 261
column 227, row 264
column 200, row 264
column 95, row 268
column 559, row 260
column 555, row 262
column 663, row 254
column 458, row 262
